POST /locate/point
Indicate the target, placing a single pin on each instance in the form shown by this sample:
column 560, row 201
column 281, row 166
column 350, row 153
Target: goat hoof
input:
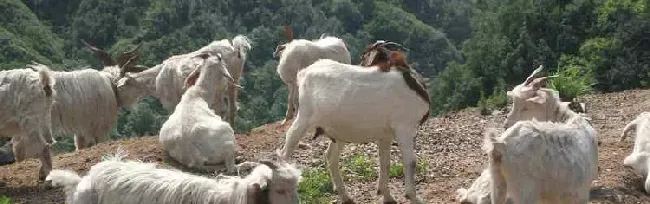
column 390, row 202
column 378, row 192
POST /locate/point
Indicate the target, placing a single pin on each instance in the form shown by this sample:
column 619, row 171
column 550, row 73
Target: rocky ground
column 449, row 146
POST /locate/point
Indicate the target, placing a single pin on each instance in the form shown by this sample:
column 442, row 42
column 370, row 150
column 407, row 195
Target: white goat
column 27, row 98
column 86, row 104
column 638, row 159
column 530, row 101
column 543, row 162
column 114, row 181
column 480, row 192
column 169, row 81
column 336, row 97
column 194, row 135
column 300, row 53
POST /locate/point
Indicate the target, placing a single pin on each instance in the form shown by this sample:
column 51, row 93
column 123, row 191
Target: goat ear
column 124, row 81
column 191, row 79
column 270, row 164
column 278, row 50
column 371, row 58
column 203, row 55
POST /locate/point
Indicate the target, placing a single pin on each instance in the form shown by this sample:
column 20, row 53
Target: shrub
column 574, row 80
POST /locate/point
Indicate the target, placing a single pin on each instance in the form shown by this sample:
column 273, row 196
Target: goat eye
column 281, row 191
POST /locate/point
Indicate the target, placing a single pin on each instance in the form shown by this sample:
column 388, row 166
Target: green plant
column 362, row 166
column 315, row 186
column 5, row 200
column 64, row 143
column 573, row 80
column 396, row 170
column 498, row 99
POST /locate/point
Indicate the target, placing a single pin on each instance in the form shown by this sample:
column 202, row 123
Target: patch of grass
column 362, row 167
column 4, row 199
column 315, row 187
column 497, row 100
column 397, row 169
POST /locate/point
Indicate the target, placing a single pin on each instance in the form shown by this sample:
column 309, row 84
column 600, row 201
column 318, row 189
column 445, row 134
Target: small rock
column 303, row 145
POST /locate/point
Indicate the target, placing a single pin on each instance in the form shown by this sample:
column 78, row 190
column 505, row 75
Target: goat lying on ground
column 194, row 135
column 115, row 181
column 26, row 99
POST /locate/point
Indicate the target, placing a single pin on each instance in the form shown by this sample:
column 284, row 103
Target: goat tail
column 242, row 44
column 65, row 178
column 490, row 141
column 45, row 77
column 629, row 127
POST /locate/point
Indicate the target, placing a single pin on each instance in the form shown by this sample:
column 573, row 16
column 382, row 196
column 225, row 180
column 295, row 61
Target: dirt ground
column 450, row 145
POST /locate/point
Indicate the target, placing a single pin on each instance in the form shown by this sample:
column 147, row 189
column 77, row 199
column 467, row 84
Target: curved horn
column 396, row 45
column 288, row 32
column 126, row 56
column 323, row 35
column 103, row 55
column 128, row 65
column 532, row 75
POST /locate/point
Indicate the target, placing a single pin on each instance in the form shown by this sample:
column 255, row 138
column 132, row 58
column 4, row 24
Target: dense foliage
column 472, row 50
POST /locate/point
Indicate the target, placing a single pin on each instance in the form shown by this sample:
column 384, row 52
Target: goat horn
column 127, row 65
column 532, row 75
column 288, row 32
column 103, row 55
column 127, row 55
column 399, row 46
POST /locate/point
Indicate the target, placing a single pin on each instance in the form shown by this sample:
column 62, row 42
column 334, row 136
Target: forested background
column 472, row 50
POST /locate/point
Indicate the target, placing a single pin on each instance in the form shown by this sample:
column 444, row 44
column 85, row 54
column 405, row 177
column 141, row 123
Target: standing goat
column 114, row 181
column 27, row 98
column 335, row 97
column 638, row 159
column 86, row 104
column 194, row 135
column 300, row 53
column 165, row 81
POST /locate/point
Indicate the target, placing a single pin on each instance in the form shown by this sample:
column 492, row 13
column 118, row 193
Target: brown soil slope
column 449, row 145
